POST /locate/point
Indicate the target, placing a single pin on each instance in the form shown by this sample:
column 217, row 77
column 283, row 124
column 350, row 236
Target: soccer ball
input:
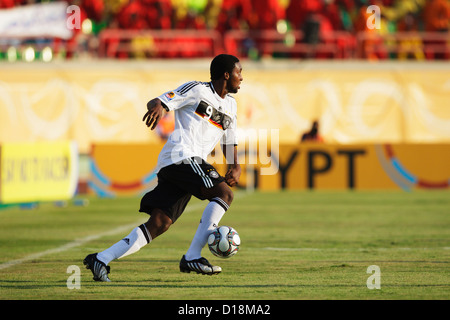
column 224, row 242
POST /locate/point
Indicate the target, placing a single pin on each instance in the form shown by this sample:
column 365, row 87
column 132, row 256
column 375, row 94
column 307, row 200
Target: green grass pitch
column 295, row 246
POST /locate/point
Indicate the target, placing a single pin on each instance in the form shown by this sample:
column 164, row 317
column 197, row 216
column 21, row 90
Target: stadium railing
column 335, row 45
column 118, row 43
column 418, row 45
column 115, row 43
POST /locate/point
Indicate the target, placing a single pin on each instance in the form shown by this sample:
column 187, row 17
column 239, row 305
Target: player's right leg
column 99, row 269
column 164, row 204
column 133, row 242
column 140, row 236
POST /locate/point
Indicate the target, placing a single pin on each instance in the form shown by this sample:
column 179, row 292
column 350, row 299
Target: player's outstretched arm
column 154, row 113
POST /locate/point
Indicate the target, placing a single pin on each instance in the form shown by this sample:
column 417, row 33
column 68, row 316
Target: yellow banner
column 355, row 103
column 38, row 171
column 129, row 169
column 123, row 169
column 362, row 167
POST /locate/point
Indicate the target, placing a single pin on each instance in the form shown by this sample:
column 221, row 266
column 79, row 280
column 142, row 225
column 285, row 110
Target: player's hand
column 232, row 176
column 154, row 113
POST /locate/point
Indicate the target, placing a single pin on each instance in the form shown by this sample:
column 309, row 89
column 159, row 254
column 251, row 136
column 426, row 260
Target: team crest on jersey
column 214, row 116
column 226, row 123
column 170, row 95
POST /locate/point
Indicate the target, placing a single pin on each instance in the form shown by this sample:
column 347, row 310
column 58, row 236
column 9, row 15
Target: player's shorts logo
column 214, row 174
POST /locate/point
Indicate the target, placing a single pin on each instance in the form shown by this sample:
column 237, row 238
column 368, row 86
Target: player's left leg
column 220, row 197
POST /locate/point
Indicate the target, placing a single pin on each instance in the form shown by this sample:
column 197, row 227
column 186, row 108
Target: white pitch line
column 67, row 246
column 351, row 249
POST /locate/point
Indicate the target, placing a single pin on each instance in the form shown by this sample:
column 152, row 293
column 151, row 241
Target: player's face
column 235, row 79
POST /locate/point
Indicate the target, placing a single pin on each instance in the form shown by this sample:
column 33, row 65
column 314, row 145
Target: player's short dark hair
column 221, row 64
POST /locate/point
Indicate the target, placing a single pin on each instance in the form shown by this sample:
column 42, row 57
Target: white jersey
column 202, row 119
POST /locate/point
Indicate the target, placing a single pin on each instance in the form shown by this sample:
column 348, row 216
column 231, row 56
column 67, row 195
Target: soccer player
column 205, row 114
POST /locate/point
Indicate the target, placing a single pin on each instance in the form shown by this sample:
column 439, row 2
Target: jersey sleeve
column 182, row 96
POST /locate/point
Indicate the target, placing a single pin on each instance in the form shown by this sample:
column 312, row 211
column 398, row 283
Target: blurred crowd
column 224, row 15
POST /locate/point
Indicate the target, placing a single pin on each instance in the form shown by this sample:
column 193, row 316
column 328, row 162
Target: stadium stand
column 305, row 29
